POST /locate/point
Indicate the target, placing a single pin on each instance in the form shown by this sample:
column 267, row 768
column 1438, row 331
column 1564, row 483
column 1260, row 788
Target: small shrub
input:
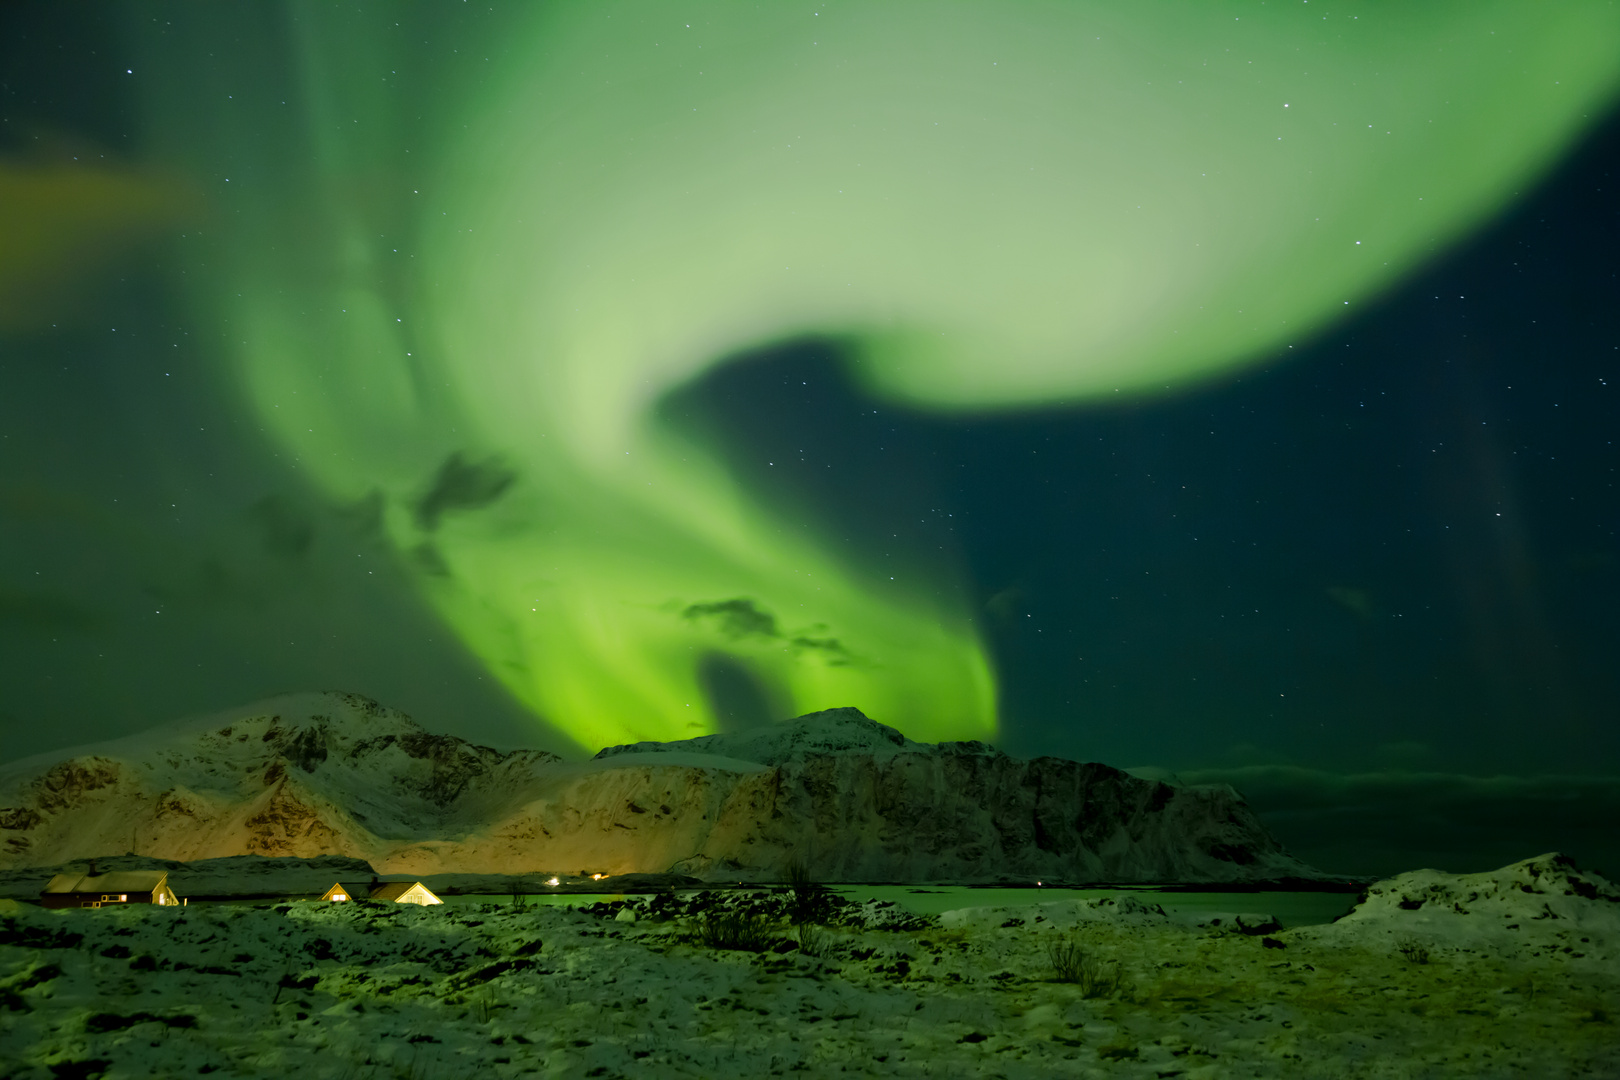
column 1415, row 951
column 809, row 901
column 814, row 941
column 1073, row 963
column 734, row 930
column 1065, row 955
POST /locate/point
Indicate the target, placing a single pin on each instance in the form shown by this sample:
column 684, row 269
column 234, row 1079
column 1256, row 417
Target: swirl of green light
column 999, row 205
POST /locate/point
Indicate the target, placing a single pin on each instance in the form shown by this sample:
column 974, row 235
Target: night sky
column 1370, row 575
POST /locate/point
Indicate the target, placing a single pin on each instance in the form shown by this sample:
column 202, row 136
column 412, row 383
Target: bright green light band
column 1003, row 205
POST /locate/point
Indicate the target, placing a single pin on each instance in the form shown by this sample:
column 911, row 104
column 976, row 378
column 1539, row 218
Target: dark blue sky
column 1394, row 542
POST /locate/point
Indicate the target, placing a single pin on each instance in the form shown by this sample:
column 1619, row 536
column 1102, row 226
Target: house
column 340, row 892
column 91, row 889
column 404, row 892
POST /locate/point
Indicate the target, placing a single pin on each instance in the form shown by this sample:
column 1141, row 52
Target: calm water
column 1290, row 908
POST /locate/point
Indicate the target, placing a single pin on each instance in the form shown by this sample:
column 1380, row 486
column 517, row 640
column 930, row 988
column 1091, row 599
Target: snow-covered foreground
column 628, row 989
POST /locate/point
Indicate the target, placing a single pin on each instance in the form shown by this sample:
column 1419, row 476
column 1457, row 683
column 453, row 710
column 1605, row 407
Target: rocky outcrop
column 852, row 799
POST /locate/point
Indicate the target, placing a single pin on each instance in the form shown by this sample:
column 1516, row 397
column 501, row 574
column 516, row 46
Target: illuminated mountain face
column 466, row 323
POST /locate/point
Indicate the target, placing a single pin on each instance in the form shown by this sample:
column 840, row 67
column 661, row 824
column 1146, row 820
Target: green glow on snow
column 1000, row 205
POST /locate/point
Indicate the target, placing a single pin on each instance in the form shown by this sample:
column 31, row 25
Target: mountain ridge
column 338, row 774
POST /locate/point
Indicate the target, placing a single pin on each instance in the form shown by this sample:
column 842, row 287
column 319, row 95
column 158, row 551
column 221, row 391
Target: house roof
column 393, row 890
column 119, row 881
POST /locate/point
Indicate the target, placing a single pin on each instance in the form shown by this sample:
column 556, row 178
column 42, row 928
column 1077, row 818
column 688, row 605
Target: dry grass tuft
column 1072, row 962
column 1413, row 950
column 734, row 930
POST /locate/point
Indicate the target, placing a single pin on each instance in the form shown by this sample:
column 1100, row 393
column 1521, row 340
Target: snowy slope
column 1544, row 905
column 832, row 731
column 303, row 774
column 337, row 774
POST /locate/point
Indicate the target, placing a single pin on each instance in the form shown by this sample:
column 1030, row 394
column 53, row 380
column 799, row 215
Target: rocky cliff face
column 858, row 801
column 338, row 774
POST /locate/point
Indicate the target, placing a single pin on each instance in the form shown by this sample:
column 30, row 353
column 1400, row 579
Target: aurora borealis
column 495, row 305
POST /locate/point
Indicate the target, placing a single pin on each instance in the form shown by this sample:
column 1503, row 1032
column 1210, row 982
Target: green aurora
column 455, row 284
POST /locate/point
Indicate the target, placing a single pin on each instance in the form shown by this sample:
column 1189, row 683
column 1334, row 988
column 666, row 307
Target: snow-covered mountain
column 835, row 731
column 303, row 774
column 338, row 774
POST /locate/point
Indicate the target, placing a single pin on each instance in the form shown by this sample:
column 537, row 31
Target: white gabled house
column 404, row 892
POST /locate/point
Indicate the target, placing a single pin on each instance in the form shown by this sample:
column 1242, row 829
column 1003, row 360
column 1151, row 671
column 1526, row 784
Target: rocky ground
column 640, row 987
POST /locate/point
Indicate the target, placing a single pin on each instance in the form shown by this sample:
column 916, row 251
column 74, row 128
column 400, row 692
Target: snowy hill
column 832, row 731
column 338, row 774
column 1540, row 906
column 303, row 774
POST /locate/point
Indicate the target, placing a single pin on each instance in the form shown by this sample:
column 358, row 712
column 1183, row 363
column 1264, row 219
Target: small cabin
column 340, row 892
column 404, row 892
column 103, row 890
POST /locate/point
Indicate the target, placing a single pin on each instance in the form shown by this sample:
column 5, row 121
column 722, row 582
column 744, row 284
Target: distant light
column 553, row 882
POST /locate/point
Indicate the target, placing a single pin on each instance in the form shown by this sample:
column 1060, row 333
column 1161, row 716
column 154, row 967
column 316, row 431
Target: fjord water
column 1289, row 908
